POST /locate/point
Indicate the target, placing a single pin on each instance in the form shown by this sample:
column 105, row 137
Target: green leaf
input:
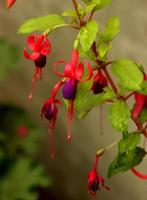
column 143, row 115
column 144, row 88
column 119, row 116
column 88, row 34
column 20, row 180
column 111, row 30
column 8, row 57
column 96, row 4
column 128, row 73
column 69, row 13
column 103, row 48
column 44, row 23
column 86, row 100
column 129, row 155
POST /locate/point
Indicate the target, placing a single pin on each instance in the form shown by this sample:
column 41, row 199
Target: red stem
column 75, row 4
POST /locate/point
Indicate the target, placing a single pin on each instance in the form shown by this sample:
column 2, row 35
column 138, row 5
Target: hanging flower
column 99, row 82
column 49, row 111
column 73, row 73
column 94, row 179
column 140, row 102
column 41, row 47
column 10, row 3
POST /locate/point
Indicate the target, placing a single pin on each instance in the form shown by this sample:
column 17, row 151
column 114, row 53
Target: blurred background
column 26, row 170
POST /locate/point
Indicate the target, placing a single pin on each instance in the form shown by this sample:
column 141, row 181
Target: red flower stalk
column 73, row 73
column 49, row 111
column 138, row 174
column 140, row 102
column 94, row 179
column 41, row 47
column 99, row 82
column 10, row 3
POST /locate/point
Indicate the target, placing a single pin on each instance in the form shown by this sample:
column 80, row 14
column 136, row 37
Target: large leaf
column 44, row 23
column 88, row 34
column 128, row 73
column 129, row 155
column 86, row 100
column 119, row 116
column 8, row 57
column 21, row 179
column 111, row 30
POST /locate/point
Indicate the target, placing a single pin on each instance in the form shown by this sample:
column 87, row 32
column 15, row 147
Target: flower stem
column 75, row 4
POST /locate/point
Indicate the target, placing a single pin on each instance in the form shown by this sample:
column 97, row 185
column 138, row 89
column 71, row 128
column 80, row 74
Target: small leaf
column 96, row 4
column 129, row 155
column 128, row 73
column 119, row 116
column 143, row 115
column 108, row 94
column 111, row 30
column 69, row 13
column 103, row 48
column 144, row 88
column 47, row 22
column 88, row 34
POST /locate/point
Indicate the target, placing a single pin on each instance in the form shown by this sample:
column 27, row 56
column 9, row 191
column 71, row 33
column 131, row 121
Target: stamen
column 51, row 127
column 70, row 115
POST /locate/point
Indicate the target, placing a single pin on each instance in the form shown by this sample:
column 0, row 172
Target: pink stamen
column 51, row 127
column 70, row 115
column 138, row 174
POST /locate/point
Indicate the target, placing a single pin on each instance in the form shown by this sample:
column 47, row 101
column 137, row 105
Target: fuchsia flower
column 99, row 82
column 94, row 179
column 140, row 102
column 49, row 111
column 73, row 73
column 41, row 47
column 10, row 3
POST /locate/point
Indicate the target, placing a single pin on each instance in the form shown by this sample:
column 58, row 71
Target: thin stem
column 139, row 125
column 128, row 96
column 90, row 16
column 75, row 4
column 111, row 81
column 102, row 151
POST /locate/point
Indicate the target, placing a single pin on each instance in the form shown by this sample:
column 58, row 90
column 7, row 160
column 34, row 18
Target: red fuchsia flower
column 10, row 3
column 138, row 174
column 41, row 47
column 49, row 111
column 94, row 179
column 73, row 73
column 140, row 102
column 99, row 82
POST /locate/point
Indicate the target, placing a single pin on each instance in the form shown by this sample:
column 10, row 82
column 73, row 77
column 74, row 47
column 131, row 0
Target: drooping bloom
column 73, row 73
column 41, row 47
column 94, row 179
column 49, row 111
column 99, row 82
column 140, row 102
column 10, row 3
